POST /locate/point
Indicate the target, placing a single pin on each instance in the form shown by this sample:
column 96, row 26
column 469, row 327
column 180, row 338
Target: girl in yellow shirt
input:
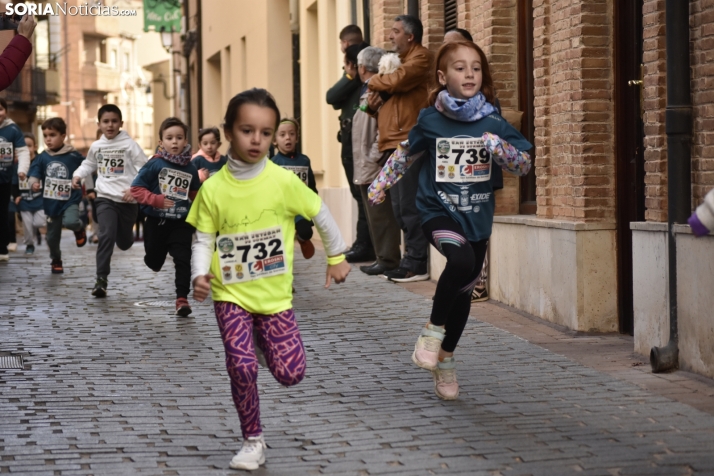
column 245, row 228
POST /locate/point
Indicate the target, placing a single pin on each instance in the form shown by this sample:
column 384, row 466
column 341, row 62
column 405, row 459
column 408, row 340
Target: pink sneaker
column 445, row 384
column 426, row 349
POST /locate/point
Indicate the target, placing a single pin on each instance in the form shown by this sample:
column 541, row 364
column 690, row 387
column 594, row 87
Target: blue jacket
column 471, row 205
column 47, row 167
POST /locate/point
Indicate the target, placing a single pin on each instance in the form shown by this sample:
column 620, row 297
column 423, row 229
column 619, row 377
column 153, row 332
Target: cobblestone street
column 121, row 386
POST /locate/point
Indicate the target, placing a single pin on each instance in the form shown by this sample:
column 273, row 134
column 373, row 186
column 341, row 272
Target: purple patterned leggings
column 279, row 338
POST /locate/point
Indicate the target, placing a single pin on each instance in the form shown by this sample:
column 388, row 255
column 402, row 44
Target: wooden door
column 629, row 151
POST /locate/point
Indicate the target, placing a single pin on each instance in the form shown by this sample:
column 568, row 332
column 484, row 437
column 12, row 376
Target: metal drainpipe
column 679, row 156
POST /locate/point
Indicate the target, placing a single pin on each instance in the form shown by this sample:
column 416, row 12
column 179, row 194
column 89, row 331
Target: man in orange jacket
column 409, row 89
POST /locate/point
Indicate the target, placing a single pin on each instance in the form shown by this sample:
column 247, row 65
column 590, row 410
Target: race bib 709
column 174, row 184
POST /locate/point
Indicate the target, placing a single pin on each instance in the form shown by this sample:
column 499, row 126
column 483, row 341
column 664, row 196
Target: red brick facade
column 574, row 117
column 702, row 58
column 655, row 96
column 494, row 26
column 383, row 13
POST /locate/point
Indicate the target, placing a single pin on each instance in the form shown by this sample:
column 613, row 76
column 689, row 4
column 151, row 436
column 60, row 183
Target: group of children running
column 244, row 212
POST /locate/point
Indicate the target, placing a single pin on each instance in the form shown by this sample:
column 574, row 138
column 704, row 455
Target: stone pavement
column 112, row 387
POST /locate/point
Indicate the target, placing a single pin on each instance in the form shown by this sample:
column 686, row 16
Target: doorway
column 629, row 149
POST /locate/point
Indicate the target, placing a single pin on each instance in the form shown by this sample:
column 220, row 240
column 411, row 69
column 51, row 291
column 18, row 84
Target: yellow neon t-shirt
column 233, row 208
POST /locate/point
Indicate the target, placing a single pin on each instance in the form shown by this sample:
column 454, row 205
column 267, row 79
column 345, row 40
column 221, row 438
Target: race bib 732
column 252, row 255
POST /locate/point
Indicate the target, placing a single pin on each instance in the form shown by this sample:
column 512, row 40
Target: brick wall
column 702, row 62
column 655, row 102
column 383, row 13
column 494, row 26
column 574, row 117
column 432, row 18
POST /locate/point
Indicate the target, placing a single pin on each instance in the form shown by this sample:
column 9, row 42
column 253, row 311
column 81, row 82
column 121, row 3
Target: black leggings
column 464, row 259
column 5, row 189
column 172, row 237
column 303, row 229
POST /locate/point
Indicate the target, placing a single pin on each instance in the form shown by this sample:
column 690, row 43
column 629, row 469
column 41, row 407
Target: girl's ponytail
column 441, row 63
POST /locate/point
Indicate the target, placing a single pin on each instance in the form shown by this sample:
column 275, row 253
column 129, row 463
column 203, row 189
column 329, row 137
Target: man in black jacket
column 344, row 96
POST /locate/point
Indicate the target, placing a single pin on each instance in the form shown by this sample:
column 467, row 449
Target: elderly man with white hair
column 368, row 161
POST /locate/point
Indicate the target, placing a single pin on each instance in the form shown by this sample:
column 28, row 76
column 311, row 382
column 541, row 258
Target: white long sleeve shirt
column 117, row 162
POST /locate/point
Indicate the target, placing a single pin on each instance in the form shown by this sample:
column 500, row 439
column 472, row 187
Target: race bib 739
column 462, row 160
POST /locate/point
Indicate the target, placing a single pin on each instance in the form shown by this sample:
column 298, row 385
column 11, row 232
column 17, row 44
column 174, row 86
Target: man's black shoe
column 374, row 269
column 360, row 254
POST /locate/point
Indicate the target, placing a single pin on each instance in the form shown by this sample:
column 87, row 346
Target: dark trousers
column 405, row 212
column 464, row 260
column 5, row 191
column 383, row 229
column 162, row 237
column 303, row 229
column 11, row 227
column 139, row 223
column 116, row 227
column 363, row 237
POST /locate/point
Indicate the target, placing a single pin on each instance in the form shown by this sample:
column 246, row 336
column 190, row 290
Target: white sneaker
column 12, row 246
column 251, row 455
column 4, row 257
column 445, row 384
column 426, row 349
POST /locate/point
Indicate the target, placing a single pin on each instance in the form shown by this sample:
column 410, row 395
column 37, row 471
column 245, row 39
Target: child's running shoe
column 12, row 247
column 445, row 384
column 307, row 248
column 404, row 275
column 100, row 288
column 479, row 294
column 251, row 455
column 426, row 349
column 182, row 307
column 5, row 257
column 57, row 266
column 80, row 237
column 30, row 249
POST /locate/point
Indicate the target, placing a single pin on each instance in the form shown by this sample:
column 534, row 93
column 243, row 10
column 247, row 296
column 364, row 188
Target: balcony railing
column 30, row 87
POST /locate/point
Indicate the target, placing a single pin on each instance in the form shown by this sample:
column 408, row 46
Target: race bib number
column 110, row 162
column 301, row 172
column 174, row 183
column 23, row 184
column 253, row 255
column 57, row 189
column 462, row 160
column 7, row 155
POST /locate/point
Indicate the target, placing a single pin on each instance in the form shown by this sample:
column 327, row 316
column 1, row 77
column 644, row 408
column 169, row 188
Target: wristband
column 333, row 260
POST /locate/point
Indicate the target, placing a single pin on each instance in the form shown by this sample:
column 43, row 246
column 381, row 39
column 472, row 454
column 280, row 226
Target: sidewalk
column 112, row 387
